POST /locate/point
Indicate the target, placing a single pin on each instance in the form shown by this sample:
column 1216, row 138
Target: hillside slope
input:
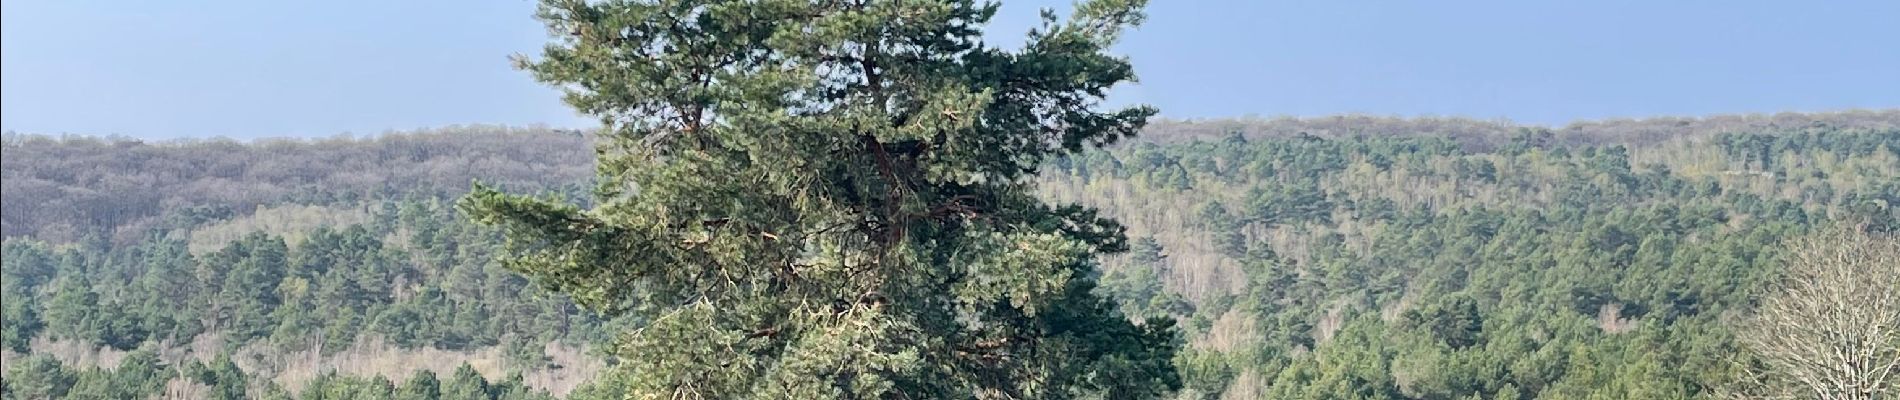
column 1339, row 257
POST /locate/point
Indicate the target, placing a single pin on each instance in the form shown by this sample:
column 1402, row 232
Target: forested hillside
column 1324, row 258
column 1426, row 267
column 62, row 188
column 280, row 267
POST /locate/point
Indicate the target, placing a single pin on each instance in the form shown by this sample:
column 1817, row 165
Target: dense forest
column 1321, row 258
column 1423, row 267
column 293, row 259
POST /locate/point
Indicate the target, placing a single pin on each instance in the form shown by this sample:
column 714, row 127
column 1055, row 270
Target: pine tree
column 36, row 377
column 26, row 264
column 168, row 287
column 141, row 372
column 19, row 319
column 72, row 314
column 465, row 383
column 227, row 381
column 257, row 264
column 834, row 199
column 421, row 386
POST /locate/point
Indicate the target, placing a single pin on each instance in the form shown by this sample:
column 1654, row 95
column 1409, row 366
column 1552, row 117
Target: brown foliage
column 61, row 188
column 1487, row 133
column 1831, row 328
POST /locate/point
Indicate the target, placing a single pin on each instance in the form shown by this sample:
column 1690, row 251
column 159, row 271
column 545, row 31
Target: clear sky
column 249, row 68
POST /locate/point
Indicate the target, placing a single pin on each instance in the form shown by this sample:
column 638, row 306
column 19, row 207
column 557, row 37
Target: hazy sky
column 317, row 68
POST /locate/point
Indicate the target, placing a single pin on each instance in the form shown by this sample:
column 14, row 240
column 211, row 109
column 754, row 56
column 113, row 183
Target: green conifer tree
column 465, row 383
column 834, row 199
column 37, row 377
column 421, row 386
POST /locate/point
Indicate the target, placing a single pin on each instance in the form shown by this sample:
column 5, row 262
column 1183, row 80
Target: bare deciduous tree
column 1830, row 329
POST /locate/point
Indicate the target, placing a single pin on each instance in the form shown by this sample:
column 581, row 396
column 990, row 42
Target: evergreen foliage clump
column 823, row 199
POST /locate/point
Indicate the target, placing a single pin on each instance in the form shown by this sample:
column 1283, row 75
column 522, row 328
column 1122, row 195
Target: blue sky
column 162, row 69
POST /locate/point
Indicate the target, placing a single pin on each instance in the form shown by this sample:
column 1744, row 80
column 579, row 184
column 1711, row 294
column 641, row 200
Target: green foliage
column 1138, row 285
column 338, row 285
column 139, row 375
column 23, row 267
column 37, row 377
column 465, row 384
column 334, row 387
column 818, row 200
column 335, row 288
column 422, row 386
column 1339, row 257
column 1415, row 267
column 227, row 381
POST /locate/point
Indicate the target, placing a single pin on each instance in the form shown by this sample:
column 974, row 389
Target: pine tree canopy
column 806, row 199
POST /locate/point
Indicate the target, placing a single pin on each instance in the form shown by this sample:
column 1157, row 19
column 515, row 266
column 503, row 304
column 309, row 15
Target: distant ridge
column 54, row 180
column 1620, row 130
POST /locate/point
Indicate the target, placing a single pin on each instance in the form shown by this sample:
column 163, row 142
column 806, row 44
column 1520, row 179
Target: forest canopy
column 1408, row 261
